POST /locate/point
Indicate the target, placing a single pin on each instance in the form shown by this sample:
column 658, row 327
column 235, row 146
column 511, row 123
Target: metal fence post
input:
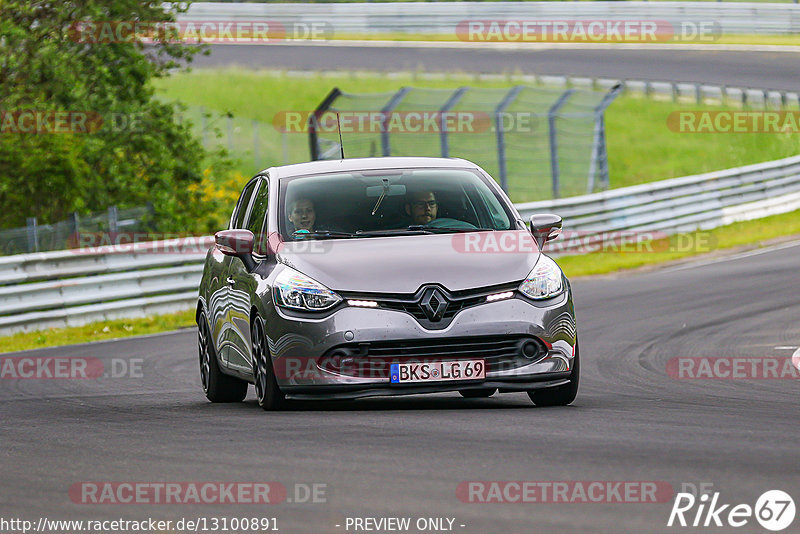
column 313, row 122
column 203, row 126
column 113, row 219
column 255, row 144
column 452, row 101
column 501, row 143
column 75, row 226
column 599, row 159
column 388, row 108
column 551, row 125
column 230, row 134
column 33, row 235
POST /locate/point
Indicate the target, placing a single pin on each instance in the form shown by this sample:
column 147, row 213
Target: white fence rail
column 699, row 202
column 73, row 287
column 443, row 17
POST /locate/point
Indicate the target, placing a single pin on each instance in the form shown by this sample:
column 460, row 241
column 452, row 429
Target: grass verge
column 747, row 233
column 96, row 331
column 725, row 39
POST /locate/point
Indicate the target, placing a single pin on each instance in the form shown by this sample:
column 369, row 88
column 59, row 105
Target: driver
column 422, row 207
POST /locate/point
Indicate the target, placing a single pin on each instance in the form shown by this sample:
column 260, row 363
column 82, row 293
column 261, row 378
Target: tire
column 561, row 395
column 477, row 393
column 268, row 394
column 217, row 386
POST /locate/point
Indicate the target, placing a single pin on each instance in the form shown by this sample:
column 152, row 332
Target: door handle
column 230, row 280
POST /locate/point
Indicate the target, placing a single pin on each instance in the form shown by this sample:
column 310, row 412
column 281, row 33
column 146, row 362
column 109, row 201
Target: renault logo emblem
column 433, row 303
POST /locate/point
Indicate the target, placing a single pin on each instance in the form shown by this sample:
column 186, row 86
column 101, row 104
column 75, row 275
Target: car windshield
column 389, row 202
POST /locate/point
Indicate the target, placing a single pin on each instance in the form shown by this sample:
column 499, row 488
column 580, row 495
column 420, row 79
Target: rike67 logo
column 774, row 510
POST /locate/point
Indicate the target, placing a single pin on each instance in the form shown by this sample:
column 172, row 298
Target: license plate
column 406, row 373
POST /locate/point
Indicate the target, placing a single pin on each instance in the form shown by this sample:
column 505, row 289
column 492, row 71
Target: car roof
column 360, row 164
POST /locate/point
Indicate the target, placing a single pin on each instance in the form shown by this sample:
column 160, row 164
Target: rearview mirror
column 545, row 227
column 393, row 191
column 237, row 243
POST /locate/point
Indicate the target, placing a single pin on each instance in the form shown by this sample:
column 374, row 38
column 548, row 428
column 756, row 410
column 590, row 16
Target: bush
column 130, row 150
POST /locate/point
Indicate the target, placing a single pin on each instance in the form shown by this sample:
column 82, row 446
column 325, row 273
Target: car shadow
column 411, row 402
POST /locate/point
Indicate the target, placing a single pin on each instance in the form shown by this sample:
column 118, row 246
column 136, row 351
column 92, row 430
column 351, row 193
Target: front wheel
column 268, row 393
column 561, row 395
column 217, row 386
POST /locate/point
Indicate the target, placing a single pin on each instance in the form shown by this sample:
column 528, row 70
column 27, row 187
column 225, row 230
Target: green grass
column 748, row 233
column 781, row 40
column 641, row 147
column 96, row 331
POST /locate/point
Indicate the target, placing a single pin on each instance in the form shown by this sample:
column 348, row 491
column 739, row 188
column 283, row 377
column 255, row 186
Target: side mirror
column 545, row 227
column 237, row 243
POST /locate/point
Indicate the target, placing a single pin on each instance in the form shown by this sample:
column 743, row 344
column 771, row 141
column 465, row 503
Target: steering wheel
column 446, row 222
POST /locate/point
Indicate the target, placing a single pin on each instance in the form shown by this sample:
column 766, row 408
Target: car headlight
column 295, row 290
column 544, row 281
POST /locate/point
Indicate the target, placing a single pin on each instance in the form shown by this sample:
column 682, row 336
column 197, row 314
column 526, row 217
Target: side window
column 237, row 221
column 257, row 215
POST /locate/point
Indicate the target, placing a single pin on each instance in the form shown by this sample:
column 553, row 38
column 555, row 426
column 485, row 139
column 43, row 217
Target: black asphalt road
column 406, row 456
column 766, row 70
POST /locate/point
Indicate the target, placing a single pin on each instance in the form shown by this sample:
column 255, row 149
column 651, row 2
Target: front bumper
column 348, row 353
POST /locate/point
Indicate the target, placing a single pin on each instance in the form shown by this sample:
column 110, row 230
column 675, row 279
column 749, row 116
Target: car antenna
column 339, row 125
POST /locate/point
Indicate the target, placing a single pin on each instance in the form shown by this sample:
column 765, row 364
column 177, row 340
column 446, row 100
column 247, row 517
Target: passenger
column 422, row 207
column 302, row 214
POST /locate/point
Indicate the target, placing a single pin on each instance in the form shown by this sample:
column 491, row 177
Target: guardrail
column 73, row 287
column 685, row 204
column 442, row 18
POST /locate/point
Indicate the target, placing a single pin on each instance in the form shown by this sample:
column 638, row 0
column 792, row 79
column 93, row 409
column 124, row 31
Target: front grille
column 374, row 359
column 484, row 347
column 411, row 303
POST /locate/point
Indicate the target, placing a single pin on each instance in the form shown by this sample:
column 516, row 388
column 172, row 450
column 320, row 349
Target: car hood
column 401, row 264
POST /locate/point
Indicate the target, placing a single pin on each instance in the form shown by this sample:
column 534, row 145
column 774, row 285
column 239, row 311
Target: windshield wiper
column 420, row 229
column 409, row 230
column 321, row 233
column 445, row 229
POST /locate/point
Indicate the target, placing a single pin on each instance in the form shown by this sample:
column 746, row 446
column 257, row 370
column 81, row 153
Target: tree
column 117, row 145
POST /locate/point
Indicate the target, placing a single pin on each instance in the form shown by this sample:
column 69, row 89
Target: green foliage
column 137, row 152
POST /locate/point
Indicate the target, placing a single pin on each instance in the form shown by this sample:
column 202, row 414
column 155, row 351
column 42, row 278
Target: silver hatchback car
column 384, row 276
